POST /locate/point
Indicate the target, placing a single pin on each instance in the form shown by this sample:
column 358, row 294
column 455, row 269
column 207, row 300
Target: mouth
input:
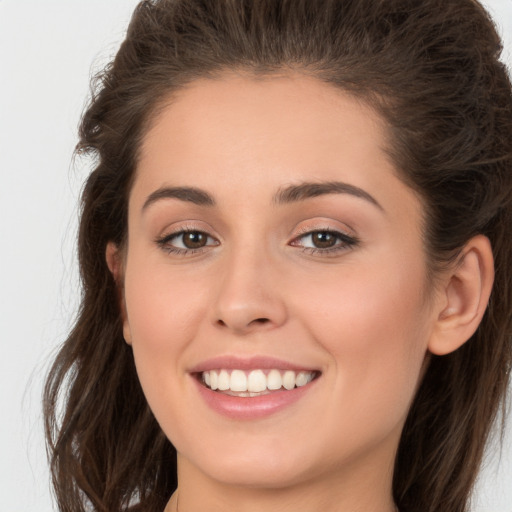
column 256, row 382
column 245, row 389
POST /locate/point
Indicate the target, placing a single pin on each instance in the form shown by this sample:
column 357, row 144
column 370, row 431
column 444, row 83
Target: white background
column 48, row 49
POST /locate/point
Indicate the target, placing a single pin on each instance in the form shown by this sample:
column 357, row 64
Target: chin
column 258, row 474
column 271, row 465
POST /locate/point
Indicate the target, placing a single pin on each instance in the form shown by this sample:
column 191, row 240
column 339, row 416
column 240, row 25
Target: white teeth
column 224, row 379
column 255, row 381
column 214, row 379
column 289, row 380
column 238, row 381
column 303, row 378
column 274, row 380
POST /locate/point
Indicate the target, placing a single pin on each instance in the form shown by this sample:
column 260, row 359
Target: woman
column 296, row 261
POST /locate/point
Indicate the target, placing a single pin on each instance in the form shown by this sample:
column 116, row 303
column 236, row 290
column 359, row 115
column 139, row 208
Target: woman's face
column 271, row 245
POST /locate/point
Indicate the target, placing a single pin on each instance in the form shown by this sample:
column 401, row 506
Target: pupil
column 324, row 239
column 194, row 240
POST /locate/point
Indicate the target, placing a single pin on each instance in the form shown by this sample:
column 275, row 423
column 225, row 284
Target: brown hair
column 431, row 69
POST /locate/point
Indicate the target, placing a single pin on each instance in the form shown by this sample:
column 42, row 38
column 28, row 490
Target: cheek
column 163, row 316
column 375, row 324
column 161, row 303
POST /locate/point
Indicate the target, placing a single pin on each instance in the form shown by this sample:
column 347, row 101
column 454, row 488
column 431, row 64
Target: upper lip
column 232, row 362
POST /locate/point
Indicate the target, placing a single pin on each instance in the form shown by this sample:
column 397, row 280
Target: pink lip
column 230, row 362
column 249, row 408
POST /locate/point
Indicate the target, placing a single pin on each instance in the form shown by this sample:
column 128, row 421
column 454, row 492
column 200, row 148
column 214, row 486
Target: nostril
column 261, row 320
column 256, row 321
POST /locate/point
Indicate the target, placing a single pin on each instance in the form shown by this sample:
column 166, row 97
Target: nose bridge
column 248, row 297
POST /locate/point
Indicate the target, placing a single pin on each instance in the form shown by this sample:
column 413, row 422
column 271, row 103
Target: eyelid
column 345, row 241
column 163, row 241
column 324, row 224
column 177, row 234
column 186, row 226
column 336, row 232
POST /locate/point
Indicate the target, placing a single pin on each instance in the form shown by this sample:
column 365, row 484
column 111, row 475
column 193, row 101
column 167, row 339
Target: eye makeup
column 325, row 241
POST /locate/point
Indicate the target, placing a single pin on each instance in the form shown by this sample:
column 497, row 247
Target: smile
column 253, row 388
column 256, row 382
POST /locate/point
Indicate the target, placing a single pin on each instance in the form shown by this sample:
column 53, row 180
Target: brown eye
column 323, row 239
column 325, row 242
column 186, row 242
column 194, row 239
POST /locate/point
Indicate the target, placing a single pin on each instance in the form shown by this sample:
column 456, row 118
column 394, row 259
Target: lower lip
column 250, row 408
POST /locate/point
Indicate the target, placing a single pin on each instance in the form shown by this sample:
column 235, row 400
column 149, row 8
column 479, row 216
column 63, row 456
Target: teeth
column 289, row 380
column 223, row 383
column 238, row 381
column 214, row 379
column 255, row 381
column 302, row 379
column 274, row 380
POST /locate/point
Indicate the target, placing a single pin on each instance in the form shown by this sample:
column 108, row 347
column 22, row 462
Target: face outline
column 262, row 292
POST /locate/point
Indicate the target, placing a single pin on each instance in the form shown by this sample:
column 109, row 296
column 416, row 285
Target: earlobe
column 465, row 295
column 114, row 261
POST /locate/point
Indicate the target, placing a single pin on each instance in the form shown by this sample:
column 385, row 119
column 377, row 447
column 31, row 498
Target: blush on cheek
column 378, row 337
column 155, row 307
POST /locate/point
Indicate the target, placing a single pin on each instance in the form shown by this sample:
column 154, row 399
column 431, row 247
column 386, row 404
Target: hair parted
column 431, row 69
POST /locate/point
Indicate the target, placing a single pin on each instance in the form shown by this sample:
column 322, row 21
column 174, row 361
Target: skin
column 364, row 315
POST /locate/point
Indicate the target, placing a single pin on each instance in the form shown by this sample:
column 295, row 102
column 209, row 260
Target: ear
column 115, row 264
column 464, row 297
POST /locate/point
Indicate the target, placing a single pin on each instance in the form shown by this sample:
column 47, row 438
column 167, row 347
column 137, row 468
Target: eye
column 324, row 241
column 186, row 242
column 321, row 239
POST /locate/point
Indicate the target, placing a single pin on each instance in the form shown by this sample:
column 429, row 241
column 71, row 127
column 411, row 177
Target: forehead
column 290, row 120
column 244, row 136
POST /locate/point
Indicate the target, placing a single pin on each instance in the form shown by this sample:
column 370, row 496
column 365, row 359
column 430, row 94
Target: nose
column 250, row 295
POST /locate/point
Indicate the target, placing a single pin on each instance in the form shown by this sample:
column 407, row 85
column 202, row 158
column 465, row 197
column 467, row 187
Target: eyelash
column 164, row 242
column 345, row 242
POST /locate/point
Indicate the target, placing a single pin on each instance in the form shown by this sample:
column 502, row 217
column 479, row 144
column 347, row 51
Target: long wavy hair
column 431, row 69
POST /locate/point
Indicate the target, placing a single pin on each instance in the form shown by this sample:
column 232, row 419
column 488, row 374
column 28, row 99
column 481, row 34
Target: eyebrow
column 189, row 194
column 294, row 193
column 289, row 194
